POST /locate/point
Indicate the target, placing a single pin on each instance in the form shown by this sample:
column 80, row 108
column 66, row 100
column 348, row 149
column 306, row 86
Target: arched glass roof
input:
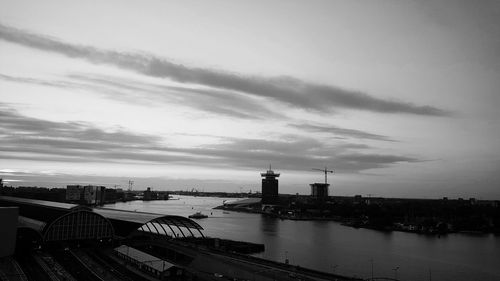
column 126, row 222
column 173, row 226
column 78, row 225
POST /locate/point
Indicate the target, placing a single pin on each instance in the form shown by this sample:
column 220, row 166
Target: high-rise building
column 269, row 187
column 319, row 191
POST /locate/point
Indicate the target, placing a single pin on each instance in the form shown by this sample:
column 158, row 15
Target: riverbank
column 439, row 228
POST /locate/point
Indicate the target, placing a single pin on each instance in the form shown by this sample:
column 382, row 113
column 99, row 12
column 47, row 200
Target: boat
column 198, row 215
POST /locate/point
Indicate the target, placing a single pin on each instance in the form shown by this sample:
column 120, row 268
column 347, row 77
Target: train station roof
column 35, row 202
column 45, row 211
column 31, row 223
column 124, row 222
column 127, row 221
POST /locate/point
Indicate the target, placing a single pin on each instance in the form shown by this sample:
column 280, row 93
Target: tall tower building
column 269, row 187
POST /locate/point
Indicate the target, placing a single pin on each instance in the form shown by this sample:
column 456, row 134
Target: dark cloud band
column 27, row 138
column 291, row 91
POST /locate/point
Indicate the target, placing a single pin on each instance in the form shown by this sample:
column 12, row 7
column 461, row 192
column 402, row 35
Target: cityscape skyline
column 398, row 98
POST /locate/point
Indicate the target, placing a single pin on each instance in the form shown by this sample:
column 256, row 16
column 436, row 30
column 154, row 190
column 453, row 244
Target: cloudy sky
column 400, row 98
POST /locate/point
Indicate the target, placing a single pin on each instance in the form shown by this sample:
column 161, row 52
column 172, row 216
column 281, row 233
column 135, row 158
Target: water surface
column 329, row 246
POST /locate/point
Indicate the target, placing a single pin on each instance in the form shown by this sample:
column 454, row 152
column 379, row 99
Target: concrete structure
column 319, row 191
column 269, row 187
column 8, row 231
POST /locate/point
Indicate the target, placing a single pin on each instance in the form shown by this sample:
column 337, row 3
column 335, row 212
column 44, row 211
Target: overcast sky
column 400, row 98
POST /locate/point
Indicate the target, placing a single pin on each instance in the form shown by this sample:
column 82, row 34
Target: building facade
column 89, row 194
column 319, row 191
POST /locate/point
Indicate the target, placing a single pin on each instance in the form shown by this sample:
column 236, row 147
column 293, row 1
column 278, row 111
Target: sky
column 399, row 98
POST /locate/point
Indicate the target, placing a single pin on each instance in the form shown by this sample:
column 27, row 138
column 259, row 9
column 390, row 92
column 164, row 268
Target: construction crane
column 326, row 171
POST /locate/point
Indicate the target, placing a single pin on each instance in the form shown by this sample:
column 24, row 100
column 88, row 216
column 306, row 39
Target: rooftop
column 35, row 202
column 144, row 258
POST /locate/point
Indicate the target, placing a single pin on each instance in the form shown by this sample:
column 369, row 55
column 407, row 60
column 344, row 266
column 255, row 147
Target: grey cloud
column 209, row 100
column 132, row 91
column 337, row 131
column 29, row 80
column 29, row 138
column 303, row 154
column 291, row 91
column 24, row 128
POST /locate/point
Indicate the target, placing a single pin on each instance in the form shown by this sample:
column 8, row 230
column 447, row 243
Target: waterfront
column 329, row 246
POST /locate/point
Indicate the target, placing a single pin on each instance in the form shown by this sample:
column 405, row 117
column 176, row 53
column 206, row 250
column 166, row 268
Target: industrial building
column 269, row 187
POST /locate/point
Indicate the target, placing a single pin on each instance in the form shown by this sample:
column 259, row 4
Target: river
column 330, row 246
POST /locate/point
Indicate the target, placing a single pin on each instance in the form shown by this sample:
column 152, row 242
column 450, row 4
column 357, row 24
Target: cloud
column 28, row 138
column 337, row 131
column 287, row 90
column 207, row 99
column 212, row 101
column 299, row 153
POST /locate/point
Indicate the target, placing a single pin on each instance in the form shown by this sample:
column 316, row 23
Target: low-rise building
column 152, row 265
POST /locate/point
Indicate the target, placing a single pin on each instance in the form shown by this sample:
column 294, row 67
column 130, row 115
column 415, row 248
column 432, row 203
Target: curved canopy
column 172, row 226
column 126, row 222
column 78, row 225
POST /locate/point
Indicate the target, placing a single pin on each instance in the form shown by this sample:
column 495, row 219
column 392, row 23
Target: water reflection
column 269, row 226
